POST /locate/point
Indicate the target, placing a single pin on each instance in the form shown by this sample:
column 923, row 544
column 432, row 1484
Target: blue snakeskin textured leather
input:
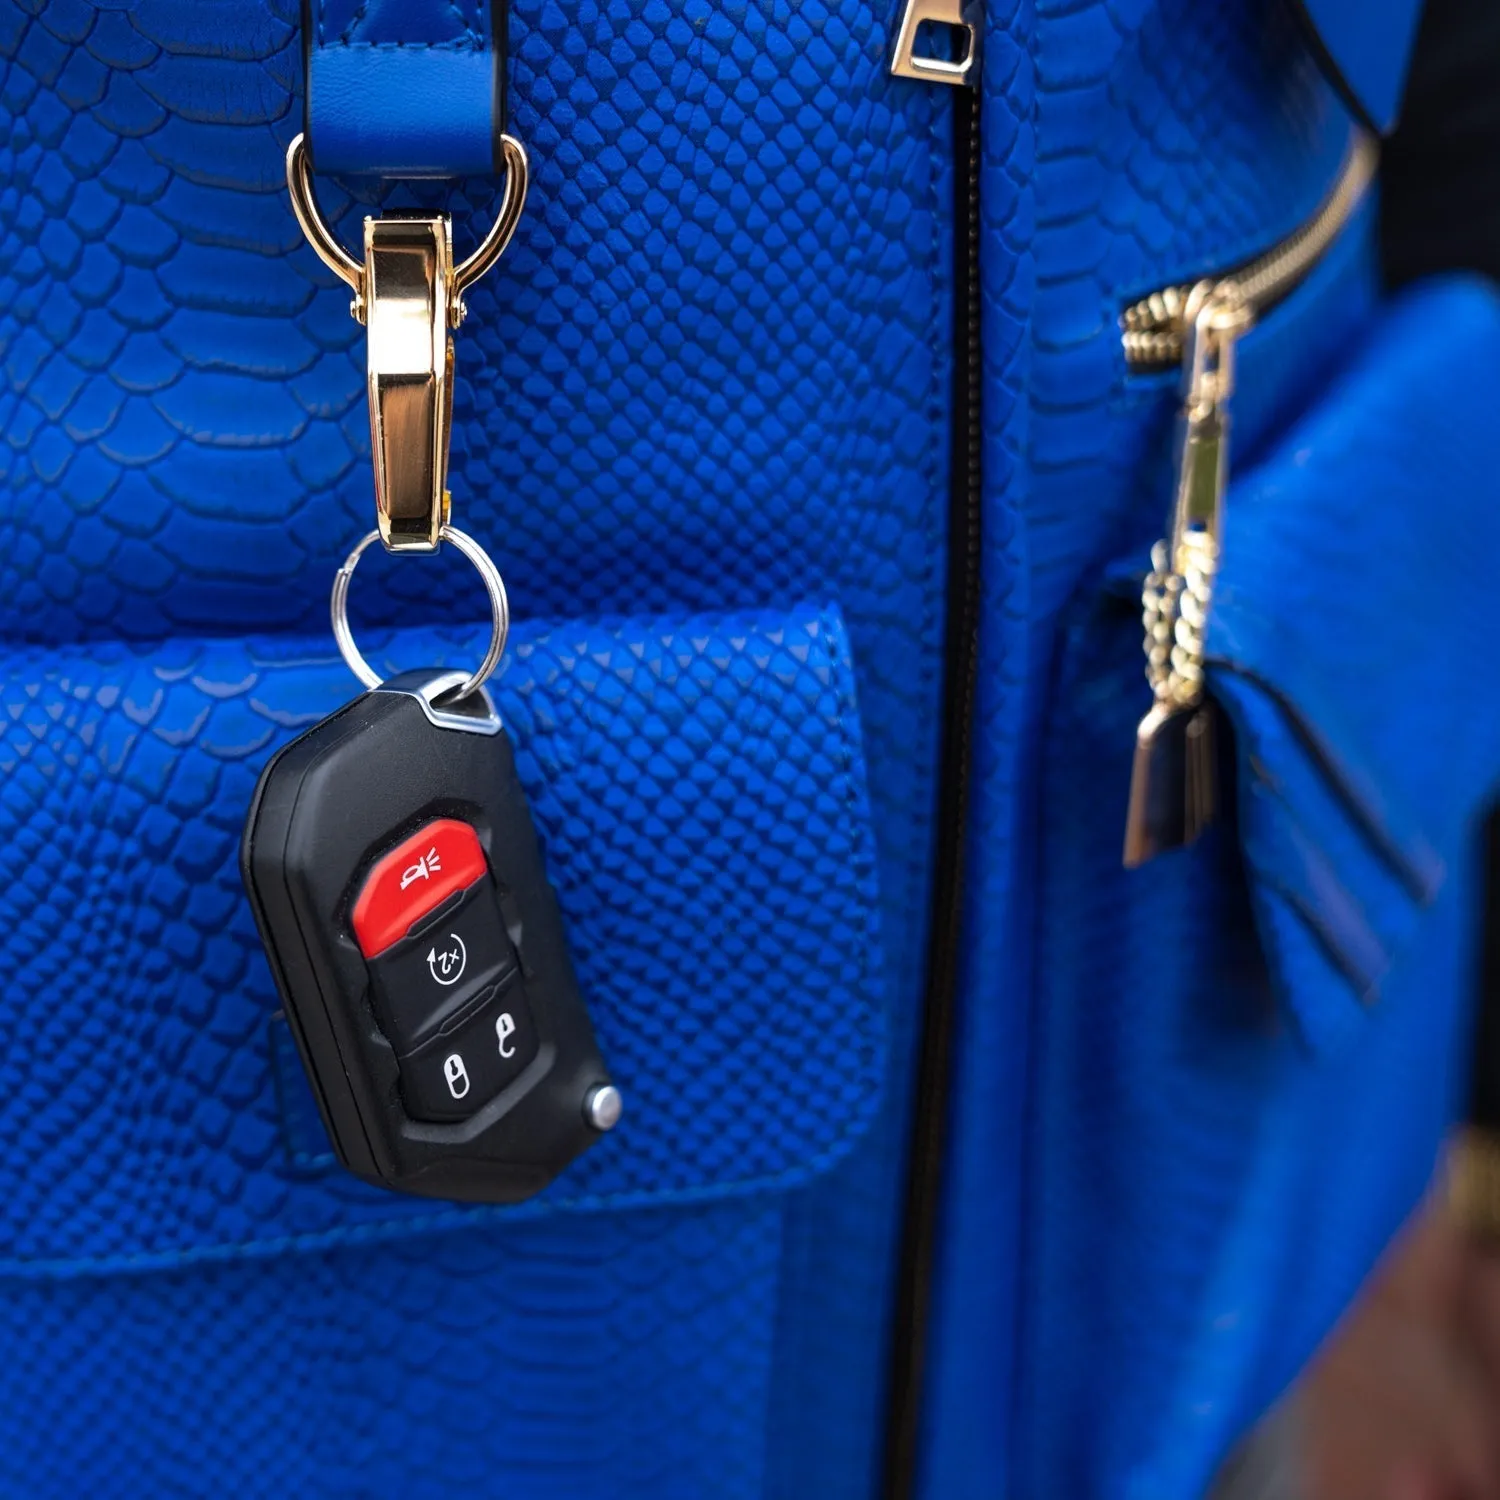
column 710, row 380
column 675, row 395
column 1355, row 818
column 530, row 1360
column 1128, row 145
column 1235, row 1056
column 1275, row 1049
column 732, row 969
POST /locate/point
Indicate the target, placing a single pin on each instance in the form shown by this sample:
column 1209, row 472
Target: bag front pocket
column 1352, row 644
column 698, row 786
column 1251, row 1046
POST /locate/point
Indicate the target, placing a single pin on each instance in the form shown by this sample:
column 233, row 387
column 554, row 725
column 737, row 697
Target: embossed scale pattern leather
column 1105, row 1003
column 710, row 374
column 731, row 966
column 192, row 400
column 1173, row 140
column 1231, row 1119
column 1169, row 139
column 1351, row 839
column 525, row 1360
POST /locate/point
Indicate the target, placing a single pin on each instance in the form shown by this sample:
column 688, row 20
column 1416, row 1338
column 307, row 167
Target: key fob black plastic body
column 397, row 882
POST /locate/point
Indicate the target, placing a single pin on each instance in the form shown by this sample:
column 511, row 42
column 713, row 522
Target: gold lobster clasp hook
column 409, row 293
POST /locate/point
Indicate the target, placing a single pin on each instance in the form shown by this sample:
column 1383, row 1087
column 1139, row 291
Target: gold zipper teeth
column 1152, row 329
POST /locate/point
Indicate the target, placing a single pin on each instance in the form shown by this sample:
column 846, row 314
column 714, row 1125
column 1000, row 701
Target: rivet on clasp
column 408, row 293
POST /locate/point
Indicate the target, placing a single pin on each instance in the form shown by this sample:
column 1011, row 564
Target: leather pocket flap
column 1353, row 642
column 698, row 786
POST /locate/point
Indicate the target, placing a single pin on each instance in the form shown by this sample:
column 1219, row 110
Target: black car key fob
column 398, row 885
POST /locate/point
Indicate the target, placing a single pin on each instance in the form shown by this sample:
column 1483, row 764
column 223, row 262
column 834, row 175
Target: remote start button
column 416, row 877
column 437, row 970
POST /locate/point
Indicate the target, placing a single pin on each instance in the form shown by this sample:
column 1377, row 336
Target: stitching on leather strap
column 458, row 44
column 472, row 40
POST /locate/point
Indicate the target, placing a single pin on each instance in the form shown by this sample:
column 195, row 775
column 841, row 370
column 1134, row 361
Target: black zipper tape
column 961, row 666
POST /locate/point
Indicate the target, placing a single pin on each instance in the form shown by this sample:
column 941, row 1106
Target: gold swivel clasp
column 409, row 294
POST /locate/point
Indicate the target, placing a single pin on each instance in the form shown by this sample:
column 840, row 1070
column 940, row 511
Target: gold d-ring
column 465, row 273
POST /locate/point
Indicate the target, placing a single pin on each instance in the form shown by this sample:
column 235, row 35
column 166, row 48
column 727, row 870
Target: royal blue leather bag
column 821, row 418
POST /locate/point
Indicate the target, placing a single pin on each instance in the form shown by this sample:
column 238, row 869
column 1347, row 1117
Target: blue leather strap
column 1365, row 47
column 405, row 88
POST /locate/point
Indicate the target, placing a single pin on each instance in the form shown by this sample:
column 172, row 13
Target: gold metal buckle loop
column 409, row 293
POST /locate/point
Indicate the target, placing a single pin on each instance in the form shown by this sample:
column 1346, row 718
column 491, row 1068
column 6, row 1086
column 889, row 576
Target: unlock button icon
column 505, row 1029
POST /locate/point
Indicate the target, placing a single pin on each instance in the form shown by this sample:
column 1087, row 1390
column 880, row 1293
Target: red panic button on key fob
column 416, row 877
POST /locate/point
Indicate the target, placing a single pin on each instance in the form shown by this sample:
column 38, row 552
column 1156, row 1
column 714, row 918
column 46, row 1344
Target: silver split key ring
column 494, row 586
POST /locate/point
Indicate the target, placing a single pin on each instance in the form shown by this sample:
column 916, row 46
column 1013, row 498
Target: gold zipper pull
column 1173, row 785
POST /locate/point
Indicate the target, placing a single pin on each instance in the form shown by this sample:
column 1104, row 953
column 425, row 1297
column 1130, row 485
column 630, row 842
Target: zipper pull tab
column 1173, row 785
column 960, row 19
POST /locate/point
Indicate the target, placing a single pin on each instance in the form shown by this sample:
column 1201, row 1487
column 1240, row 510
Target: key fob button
column 437, row 970
column 408, row 882
column 464, row 1067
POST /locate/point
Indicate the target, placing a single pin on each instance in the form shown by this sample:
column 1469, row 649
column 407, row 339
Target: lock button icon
column 456, row 1074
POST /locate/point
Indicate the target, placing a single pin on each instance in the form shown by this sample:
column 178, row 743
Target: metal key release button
column 465, row 1067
